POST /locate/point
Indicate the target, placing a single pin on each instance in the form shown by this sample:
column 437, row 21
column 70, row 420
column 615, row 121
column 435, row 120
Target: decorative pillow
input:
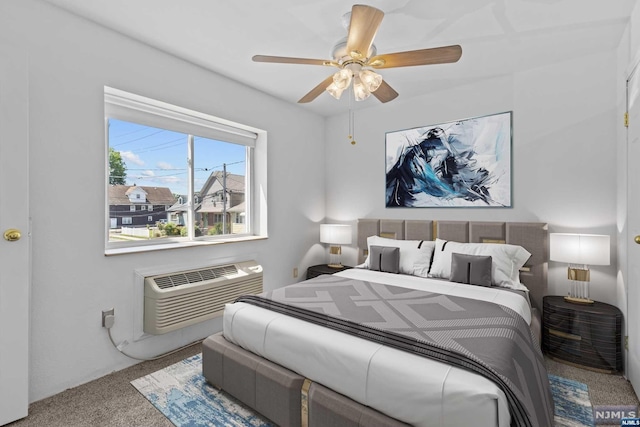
column 415, row 255
column 384, row 258
column 506, row 260
column 471, row 269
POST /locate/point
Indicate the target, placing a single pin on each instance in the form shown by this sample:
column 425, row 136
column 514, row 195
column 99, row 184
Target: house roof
column 155, row 195
column 235, row 183
column 134, row 188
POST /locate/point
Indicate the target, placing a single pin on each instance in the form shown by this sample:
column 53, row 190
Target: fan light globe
column 370, row 79
column 334, row 90
column 342, row 79
column 360, row 91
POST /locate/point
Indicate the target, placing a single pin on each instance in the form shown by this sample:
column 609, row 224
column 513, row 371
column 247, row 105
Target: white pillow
column 415, row 255
column 505, row 267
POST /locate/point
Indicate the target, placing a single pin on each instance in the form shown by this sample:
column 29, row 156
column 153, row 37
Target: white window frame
column 130, row 107
column 129, row 220
column 150, row 218
column 132, row 208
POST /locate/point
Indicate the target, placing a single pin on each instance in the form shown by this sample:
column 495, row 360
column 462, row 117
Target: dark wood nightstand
column 587, row 335
column 316, row 270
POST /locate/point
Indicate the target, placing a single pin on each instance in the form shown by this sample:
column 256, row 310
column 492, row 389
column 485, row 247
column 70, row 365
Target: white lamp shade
column 587, row 249
column 335, row 234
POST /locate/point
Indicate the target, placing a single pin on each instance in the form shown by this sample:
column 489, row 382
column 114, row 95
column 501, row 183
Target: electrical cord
column 108, row 323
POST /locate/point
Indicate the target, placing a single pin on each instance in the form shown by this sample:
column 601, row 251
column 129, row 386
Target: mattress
column 410, row 388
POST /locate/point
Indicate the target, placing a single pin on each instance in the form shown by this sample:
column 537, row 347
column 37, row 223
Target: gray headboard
column 533, row 236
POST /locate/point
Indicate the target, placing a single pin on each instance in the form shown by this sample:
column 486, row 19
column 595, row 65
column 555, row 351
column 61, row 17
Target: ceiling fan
column 356, row 57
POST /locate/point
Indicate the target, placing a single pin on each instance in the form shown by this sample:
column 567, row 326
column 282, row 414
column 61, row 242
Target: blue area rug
column 181, row 393
column 572, row 404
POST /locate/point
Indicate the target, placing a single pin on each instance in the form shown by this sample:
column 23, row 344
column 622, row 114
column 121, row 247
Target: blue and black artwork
column 462, row 163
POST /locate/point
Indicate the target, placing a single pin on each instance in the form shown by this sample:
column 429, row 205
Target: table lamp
column 579, row 250
column 335, row 235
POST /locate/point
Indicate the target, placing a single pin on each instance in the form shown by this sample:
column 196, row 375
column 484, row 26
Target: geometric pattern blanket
column 483, row 337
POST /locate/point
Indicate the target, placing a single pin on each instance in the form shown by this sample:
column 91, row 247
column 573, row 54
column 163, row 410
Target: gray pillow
column 384, row 258
column 471, row 269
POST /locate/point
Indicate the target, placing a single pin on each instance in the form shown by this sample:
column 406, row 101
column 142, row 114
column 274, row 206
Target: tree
column 117, row 168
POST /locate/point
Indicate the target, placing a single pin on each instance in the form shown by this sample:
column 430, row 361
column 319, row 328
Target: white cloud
column 130, row 157
column 164, row 165
column 148, row 174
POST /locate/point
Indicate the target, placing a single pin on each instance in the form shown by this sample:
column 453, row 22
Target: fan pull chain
column 352, row 118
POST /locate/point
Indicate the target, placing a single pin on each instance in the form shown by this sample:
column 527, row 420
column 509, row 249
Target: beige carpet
column 112, row 401
column 107, row 401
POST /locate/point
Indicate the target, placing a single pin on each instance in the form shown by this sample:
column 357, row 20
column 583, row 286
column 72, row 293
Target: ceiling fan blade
column 316, row 91
column 385, row 93
column 288, row 60
column 365, row 21
column 437, row 55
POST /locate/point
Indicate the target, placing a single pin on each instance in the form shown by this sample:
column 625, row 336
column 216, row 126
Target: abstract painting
column 465, row 163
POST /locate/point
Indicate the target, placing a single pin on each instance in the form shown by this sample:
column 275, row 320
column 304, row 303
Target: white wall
column 564, row 154
column 71, row 60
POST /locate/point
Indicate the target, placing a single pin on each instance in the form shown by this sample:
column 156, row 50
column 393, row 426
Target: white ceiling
column 497, row 37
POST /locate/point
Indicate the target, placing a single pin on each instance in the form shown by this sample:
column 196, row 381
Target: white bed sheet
column 410, row 388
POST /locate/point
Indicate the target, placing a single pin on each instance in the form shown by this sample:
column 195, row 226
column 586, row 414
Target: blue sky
column 158, row 157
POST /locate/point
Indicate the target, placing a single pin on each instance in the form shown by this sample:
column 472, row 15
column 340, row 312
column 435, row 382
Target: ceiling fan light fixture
column 335, row 91
column 342, row 79
column 370, row 79
column 360, row 91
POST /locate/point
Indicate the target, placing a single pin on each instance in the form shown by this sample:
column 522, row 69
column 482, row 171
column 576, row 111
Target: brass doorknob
column 12, row 235
column 637, row 239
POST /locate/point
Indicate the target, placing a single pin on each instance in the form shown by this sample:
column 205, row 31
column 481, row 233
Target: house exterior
column 134, row 206
column 216, row 209
column 177, row 213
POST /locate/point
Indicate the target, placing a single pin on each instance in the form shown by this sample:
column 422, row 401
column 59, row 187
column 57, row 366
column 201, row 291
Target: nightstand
column 316, row 270
column 586, row 335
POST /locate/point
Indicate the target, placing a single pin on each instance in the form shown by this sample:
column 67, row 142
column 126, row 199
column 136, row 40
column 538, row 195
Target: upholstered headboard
column 533, row 236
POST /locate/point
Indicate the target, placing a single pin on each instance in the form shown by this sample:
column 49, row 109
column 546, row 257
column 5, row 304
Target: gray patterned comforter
column 483, row 337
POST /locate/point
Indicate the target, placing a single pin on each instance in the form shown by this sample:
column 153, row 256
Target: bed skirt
column 279, row 394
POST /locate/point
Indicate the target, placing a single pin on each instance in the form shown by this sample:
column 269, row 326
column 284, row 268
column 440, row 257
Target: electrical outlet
column 106, row 313
column 295, row 272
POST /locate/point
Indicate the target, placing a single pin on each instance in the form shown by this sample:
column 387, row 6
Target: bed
column 297, row 372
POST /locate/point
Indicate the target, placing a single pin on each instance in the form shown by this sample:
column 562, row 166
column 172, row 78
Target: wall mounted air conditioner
column 175, row 300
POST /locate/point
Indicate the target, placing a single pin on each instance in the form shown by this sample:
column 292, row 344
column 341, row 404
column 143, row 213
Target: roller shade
column 129, row 107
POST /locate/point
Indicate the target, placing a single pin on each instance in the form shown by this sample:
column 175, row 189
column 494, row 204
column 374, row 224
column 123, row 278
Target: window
column 127, row 220
column 180, row 162
column 132, row 208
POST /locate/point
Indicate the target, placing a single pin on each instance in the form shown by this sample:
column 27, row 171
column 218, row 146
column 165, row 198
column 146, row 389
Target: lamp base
column 335, row 265
column 576, row 300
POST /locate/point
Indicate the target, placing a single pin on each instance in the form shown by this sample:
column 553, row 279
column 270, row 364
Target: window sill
column 178, row 245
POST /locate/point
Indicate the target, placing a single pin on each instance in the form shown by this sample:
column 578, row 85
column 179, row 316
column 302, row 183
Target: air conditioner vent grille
column 183, row 298
column 196, row 276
